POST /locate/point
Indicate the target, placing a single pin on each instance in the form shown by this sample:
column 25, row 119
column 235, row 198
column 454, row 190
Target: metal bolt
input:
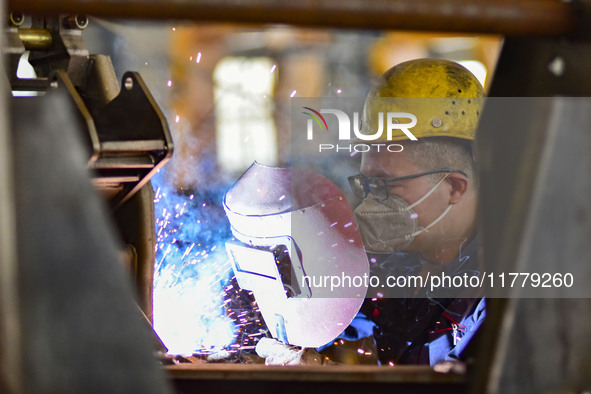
column 76, row 22
column 436, row 122
column 128, row 83
column 17, row 18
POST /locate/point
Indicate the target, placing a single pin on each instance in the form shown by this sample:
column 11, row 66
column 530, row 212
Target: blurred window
column 245, row 129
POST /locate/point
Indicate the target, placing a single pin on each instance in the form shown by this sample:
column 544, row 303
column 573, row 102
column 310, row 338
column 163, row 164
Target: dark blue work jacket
column 423, row 328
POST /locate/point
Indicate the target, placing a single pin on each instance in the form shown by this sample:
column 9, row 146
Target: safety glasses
column 378, row 187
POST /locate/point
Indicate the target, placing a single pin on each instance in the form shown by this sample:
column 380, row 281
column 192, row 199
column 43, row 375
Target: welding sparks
column 169, row 83
column 273, row 68
column 292, row 94
column 188, row 280
column 198, row 306
column 177, row 119
column 185, row 315
column 198, row 59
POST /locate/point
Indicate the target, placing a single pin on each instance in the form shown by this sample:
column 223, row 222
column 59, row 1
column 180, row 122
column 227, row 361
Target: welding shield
column 298, row 249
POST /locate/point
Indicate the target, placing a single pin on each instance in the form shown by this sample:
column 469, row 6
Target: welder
column 418, row 214
column 417, row 219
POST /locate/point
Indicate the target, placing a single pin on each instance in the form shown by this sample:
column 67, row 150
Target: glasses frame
column 382, row 183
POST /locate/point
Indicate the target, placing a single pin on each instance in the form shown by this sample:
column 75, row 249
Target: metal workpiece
column 126, row 140
column 126, row 134
column 133, row 130
column 511, row 18
column 53, row 46
column 102, row 85
column 67, row 51
column 136, row 223
column 81, row 330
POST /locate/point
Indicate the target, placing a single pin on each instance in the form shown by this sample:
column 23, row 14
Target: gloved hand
column 457, row 367
column 278, row 353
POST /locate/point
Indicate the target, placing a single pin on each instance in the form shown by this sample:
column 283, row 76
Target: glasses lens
column 357, row 183
column 378, row 188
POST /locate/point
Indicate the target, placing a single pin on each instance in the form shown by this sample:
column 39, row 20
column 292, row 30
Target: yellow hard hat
column 444, row 96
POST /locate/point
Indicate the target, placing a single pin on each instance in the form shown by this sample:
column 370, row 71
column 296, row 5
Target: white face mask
column 390, row 225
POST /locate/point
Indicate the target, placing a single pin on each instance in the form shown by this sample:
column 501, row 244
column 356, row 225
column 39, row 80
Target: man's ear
column 459, row 186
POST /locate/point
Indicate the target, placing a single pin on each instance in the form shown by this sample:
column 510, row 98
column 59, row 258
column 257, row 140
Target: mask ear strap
column 420, row 200
column 433, row 223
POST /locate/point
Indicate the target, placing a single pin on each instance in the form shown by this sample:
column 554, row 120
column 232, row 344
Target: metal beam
column 525, row 170
column 514, row 18
column 253, row 378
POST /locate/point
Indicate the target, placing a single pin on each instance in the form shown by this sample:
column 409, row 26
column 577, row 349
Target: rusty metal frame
column 511, row 18
column 127, row 133
column 248, row 379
